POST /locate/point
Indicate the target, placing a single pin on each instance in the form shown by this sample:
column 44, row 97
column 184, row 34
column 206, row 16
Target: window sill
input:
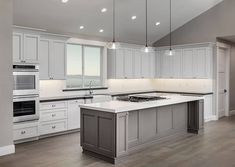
column 82, row 89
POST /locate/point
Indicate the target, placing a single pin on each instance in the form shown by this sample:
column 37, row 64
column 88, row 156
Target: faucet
column 90, row 90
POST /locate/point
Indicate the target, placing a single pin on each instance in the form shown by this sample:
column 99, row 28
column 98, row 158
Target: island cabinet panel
column 180, row 116
column 148, row 124
column 164, row 120
column 133, row 128
column 122, row 134
column 98, row 132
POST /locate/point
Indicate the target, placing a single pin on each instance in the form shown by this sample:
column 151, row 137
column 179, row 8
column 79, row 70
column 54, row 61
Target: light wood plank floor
column 214, row 148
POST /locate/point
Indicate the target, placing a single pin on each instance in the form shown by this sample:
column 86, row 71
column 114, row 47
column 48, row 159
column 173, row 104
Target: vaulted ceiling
column 66, row 18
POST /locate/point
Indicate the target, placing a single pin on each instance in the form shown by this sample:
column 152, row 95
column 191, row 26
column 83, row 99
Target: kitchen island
column 113, row 130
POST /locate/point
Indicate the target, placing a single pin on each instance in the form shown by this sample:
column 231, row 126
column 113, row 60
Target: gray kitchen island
column 113, row 130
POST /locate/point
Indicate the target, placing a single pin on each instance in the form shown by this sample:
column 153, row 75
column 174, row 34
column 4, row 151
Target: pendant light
column 113, row 44
column 170, row 52
column 146, row 48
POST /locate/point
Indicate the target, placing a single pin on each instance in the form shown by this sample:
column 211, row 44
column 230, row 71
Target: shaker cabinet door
column 17, row 47
column 44, row 53
column 31, row 48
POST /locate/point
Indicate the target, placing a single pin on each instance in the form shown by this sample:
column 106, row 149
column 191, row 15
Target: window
column 84, row 65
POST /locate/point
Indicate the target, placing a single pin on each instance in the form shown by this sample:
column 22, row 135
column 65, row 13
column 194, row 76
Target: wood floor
column 214, row 148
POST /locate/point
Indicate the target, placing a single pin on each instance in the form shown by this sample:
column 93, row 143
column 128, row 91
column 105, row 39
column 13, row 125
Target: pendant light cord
column 170, row 27
column 146, row 25
column 113, row 20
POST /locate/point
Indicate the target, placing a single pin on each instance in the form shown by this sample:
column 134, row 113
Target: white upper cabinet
column 145, row 65
column 187, row 63
column 44, row 53
column 52, row 59
column 128, row 64
column 158, row 64
column 57, row 60
column 137, row 63
column 177, row 64
column 25, row 48
column 202, row 59
column 17, row 47
column 119, row 57
column 152, row 64
column 31, row 49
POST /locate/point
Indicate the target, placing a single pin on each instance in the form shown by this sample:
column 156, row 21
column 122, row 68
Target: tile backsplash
column 54, row 88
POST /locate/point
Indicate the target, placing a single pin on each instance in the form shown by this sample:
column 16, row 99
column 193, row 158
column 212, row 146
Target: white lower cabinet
column 74, row 114
column 53, row 127
column 25, row 130
column 53, row 117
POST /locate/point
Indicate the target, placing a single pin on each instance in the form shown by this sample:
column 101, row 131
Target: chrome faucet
column 90, row 90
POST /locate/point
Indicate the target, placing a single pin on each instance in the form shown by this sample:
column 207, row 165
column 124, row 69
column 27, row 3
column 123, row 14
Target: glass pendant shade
column 113, row 45
column 170, row 52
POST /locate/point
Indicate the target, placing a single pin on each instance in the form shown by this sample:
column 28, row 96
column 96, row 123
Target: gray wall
column 6, row 137
column 219, row 21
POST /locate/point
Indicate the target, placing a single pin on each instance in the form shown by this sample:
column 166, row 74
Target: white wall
column 54, row 88
column 6, row 111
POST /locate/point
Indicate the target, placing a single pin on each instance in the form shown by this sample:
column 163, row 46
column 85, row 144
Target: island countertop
column 116, row 106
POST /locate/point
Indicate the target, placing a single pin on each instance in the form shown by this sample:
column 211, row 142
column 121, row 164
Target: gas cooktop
column 140, row 98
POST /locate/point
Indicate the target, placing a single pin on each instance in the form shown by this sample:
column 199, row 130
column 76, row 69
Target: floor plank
column 213, row 148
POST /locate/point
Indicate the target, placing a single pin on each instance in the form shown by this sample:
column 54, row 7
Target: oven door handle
column 26, row 96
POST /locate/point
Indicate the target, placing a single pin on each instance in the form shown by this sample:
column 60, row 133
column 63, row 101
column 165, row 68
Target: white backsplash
column 54, row 88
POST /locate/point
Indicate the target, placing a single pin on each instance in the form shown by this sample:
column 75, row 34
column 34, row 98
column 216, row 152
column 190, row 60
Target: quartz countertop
column 124, row 106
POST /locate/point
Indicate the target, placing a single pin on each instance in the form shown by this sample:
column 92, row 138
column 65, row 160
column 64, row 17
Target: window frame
column 83, row 65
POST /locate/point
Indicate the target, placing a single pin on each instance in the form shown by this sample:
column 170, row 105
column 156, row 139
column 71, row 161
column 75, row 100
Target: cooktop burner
column 139, row 98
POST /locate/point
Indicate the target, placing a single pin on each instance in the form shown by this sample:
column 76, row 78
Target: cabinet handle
column 53, row 115
column 53, row 127
column 23, row 132
column 53, row 105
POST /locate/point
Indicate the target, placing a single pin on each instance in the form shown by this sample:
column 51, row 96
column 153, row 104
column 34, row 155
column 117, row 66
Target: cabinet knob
column 53, row 105
column 53, row 115
column 23, row 132
column 53, row 127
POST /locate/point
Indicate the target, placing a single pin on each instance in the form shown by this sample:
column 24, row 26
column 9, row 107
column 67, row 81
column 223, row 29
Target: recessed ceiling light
column 104, row 10
column 64, row 1
column 157, row 23
column 101, row 30
column 133, row 17
column 81, row 27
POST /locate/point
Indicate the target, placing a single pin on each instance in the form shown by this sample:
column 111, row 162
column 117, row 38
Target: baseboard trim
column 7, row 150
column 211, row 118
column 232, row 112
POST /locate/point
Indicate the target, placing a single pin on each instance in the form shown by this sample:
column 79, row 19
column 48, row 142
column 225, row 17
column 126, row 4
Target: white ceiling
column 56, row 17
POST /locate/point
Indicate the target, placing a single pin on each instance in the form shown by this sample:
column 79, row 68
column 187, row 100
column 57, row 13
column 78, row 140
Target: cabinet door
column 111, row 66
column 119, row 64
column 187, row 63
column 137, row 64
column 57, row 60
column 166, row 65
column 145, row 70
column 128, row 63
column 152, row 64
column 17, row 47
column 74, row 114
column 31, row 51
column 201, row 62
column 44, row 53
column 177, row 64
column 158, row 64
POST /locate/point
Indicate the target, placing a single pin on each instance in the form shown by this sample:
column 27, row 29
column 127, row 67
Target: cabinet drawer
column 53, row 105
column 51, row 115
column 25, row 133
column 53, row 127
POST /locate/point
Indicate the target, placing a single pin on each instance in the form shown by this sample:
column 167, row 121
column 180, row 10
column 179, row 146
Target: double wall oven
column 25, row 92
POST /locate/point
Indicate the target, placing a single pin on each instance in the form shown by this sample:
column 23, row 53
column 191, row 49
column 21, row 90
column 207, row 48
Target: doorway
column 222, row 75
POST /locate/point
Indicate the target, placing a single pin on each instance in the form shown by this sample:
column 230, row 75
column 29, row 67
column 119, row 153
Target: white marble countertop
column 123, row 106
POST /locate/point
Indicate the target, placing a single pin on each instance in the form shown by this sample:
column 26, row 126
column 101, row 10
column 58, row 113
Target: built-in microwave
column 25, row 108
column 26, row 80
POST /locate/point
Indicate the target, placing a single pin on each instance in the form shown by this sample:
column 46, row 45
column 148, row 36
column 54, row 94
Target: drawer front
column 25, row 133
column 75, row 102
column 53, row 105
column 53, row 115
column 53, row 127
